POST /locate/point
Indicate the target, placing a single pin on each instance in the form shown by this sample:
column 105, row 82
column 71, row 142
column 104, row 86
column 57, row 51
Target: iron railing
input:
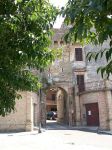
column 95, row 85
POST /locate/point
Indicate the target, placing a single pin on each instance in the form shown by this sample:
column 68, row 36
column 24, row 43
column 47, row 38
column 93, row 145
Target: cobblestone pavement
column 56, row 137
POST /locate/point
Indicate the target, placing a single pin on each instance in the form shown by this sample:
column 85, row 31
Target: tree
column 91, row 22
column 25, row 31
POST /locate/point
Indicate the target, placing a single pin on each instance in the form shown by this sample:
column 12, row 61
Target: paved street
column 56, row 137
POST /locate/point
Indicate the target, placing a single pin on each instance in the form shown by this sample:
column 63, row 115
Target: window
column 80, row 83
column 78, row 54
column 61, row 42
column 55, row 42
column 53, row 97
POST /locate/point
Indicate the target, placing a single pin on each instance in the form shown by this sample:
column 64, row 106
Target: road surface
column 56, row 137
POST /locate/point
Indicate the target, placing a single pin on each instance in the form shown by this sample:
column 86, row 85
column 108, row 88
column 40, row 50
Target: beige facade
column 23, row 117
column 104, row 99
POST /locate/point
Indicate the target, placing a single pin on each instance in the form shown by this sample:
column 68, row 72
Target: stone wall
column 16, row 120
column 66, row 69
column 95, row 97
column 91, row 66
column 23, row 117
column 35, row 107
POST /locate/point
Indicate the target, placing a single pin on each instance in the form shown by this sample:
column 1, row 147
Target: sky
column 58, row 3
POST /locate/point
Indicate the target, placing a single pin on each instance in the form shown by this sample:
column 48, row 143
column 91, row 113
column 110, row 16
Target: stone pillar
column 103, row 109
column 60, row 106
column 71, row 107
column 70, row 111
column 109, row 107
column 29, row 112
column 77, row 106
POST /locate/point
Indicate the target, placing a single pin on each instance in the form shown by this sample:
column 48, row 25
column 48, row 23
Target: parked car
column 51, row 115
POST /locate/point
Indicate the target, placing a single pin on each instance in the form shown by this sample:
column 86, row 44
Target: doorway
column 92, row 114
column 56, row 104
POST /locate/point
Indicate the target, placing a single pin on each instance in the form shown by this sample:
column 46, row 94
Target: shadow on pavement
column 53, row 125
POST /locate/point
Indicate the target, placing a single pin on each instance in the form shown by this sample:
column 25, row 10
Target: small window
column 53, row 97
column 61, row 42
column 55, row 42
column 80, row 83
column 78, row 54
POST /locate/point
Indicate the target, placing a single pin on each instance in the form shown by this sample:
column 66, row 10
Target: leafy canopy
column 25, row 31
column 91, row 22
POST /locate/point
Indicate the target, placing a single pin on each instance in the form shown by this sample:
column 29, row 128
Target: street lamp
column 40, row 99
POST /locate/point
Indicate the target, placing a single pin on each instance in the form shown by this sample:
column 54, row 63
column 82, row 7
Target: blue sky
column 58, row 3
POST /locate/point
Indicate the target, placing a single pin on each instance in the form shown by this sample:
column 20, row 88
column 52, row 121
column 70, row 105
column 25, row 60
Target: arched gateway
column 57, row 101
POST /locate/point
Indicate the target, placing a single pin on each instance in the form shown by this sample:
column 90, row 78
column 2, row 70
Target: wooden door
column 92, row 114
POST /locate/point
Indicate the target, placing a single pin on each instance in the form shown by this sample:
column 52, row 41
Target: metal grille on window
column 80, row 83
column 78, row 54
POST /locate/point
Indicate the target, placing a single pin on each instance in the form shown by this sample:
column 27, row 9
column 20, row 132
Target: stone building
column 83, row 97
column 78, row 94
column 25, row 115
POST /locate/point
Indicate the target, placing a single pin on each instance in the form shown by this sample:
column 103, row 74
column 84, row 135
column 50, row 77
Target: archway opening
column 56, row 105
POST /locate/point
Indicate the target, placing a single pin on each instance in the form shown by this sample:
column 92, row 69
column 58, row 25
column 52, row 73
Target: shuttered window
column 78, row 54
column 80, row 83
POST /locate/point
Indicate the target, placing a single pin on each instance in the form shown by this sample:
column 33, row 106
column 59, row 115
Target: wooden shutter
column 78, row 54
column 80, row 83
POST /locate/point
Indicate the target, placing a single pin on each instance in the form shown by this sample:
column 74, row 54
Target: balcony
column 97, row 85
column 79, row 65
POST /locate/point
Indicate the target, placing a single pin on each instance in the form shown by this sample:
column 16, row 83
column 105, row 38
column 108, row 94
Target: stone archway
column 59, row 103
column 62, row 106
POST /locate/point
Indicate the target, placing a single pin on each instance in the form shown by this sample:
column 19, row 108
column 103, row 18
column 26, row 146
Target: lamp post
column 40, row 99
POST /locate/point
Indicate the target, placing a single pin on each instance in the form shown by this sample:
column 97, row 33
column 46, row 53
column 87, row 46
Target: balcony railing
column 97, row 85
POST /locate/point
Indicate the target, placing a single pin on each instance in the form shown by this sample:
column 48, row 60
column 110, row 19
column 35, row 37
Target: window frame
column 78, row 54
column 81, row 82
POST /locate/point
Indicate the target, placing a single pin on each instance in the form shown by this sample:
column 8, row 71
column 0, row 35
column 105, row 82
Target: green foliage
column 91, row 22
column 25, row 31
